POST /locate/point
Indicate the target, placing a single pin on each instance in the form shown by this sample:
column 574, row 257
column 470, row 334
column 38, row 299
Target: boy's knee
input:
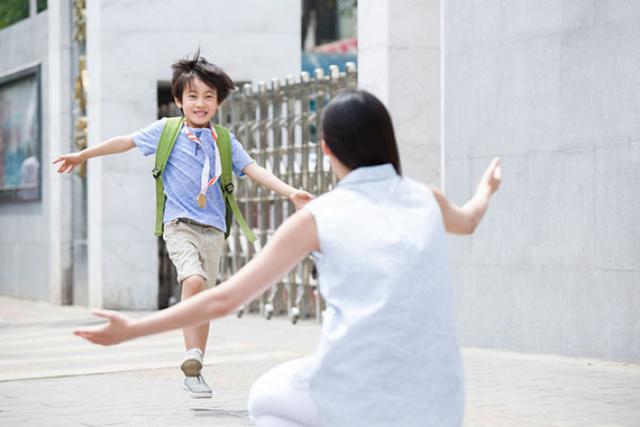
column 193, row 284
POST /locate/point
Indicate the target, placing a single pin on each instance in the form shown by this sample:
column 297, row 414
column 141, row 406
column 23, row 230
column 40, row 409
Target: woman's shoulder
column 415, row 185
column 417, row 190
column 348, row 196
column 332, row 202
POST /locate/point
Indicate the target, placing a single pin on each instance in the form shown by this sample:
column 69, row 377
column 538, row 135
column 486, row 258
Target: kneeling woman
column 388, row 355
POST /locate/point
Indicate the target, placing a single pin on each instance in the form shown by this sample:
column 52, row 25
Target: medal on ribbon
column 202, row 200
column 205, row 182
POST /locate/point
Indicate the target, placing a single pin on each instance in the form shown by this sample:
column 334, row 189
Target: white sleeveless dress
column 388, row 355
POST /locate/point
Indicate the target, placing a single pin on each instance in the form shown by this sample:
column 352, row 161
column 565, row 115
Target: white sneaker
column 192, row 363
column 197, row 387
column 268, row 311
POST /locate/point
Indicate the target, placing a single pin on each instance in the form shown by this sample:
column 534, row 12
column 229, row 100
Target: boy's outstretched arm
column 114, row 145
column 293, row 240
column 465, row 219
column 273, row 183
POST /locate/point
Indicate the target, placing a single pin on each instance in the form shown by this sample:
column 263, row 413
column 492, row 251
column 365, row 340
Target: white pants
column 279, row 398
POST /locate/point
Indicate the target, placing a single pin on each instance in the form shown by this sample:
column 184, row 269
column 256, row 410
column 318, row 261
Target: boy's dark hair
column 185, row 70
column 357, row 128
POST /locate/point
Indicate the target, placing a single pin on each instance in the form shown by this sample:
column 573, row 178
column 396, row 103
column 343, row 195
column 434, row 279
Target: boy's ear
column 178, row 102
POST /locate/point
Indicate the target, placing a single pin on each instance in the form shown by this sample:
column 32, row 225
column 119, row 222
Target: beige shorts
column 194, row 249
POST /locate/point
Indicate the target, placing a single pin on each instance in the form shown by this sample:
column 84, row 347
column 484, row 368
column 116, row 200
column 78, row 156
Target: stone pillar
column 94, row 167
column 57, row 74
column 128, row 55
column 399, row 58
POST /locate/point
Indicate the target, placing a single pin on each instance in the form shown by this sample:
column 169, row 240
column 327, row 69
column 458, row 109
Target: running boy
column 194, row 215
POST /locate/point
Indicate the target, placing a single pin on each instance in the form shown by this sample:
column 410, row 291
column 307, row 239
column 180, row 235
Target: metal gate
column 278, row 124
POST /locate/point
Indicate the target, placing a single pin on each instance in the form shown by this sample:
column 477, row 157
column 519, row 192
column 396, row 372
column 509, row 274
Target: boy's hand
column 491, row 178
column 113, row 332
column 69, row 162
column 300, row 198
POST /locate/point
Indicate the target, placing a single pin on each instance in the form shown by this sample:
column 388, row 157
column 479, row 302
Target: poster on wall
column 20, row 143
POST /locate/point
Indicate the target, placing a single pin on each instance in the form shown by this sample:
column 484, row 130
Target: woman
column 388, row 355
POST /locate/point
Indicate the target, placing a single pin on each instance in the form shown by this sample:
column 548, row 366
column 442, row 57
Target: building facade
column 551, row 88
column 89, row 238
column 554, row 89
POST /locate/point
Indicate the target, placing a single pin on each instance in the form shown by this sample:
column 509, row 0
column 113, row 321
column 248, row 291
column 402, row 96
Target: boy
column 194, row 215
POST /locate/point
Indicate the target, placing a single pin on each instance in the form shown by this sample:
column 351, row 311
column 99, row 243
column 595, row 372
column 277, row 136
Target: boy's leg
column 210, row 243
column 195, row 341
column 195, row 337
column 187, row 248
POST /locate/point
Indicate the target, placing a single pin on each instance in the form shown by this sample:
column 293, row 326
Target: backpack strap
column 227, row 187
column 167, row 140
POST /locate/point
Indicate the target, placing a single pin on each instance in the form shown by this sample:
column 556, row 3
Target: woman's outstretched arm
column 465, row 219
column 293, row 240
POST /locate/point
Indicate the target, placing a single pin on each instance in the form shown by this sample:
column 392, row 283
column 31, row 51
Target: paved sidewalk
column 50, row 378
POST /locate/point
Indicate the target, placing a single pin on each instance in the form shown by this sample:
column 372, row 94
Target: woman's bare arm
column 465, row 219
column 291, row 243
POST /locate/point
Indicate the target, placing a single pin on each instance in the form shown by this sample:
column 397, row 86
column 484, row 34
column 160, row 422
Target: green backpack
column 167, row 140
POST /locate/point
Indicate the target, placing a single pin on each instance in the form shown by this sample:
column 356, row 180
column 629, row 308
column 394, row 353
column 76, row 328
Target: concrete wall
column 34, row 238
column 130, row 47
column 554, row 89
column 399, row 61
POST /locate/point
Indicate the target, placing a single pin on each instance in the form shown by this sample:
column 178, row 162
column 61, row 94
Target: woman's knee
column 258, row 398
column 273, row 421
column 277, row 397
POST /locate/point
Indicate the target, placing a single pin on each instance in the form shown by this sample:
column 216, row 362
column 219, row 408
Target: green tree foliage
column 12, row 11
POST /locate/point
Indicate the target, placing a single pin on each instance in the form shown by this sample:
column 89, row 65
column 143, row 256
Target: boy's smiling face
column 199, row 103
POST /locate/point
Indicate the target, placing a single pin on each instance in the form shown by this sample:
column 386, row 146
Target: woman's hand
column 491, row 178
column 299, row 198
column 464, row 220
column 117, row 330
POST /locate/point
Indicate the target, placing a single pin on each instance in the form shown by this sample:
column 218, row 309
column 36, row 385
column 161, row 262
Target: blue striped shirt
column 181, row 176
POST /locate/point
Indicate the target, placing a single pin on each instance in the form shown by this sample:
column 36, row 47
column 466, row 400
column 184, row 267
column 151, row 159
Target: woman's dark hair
column 185, row 70
column 358, row 130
